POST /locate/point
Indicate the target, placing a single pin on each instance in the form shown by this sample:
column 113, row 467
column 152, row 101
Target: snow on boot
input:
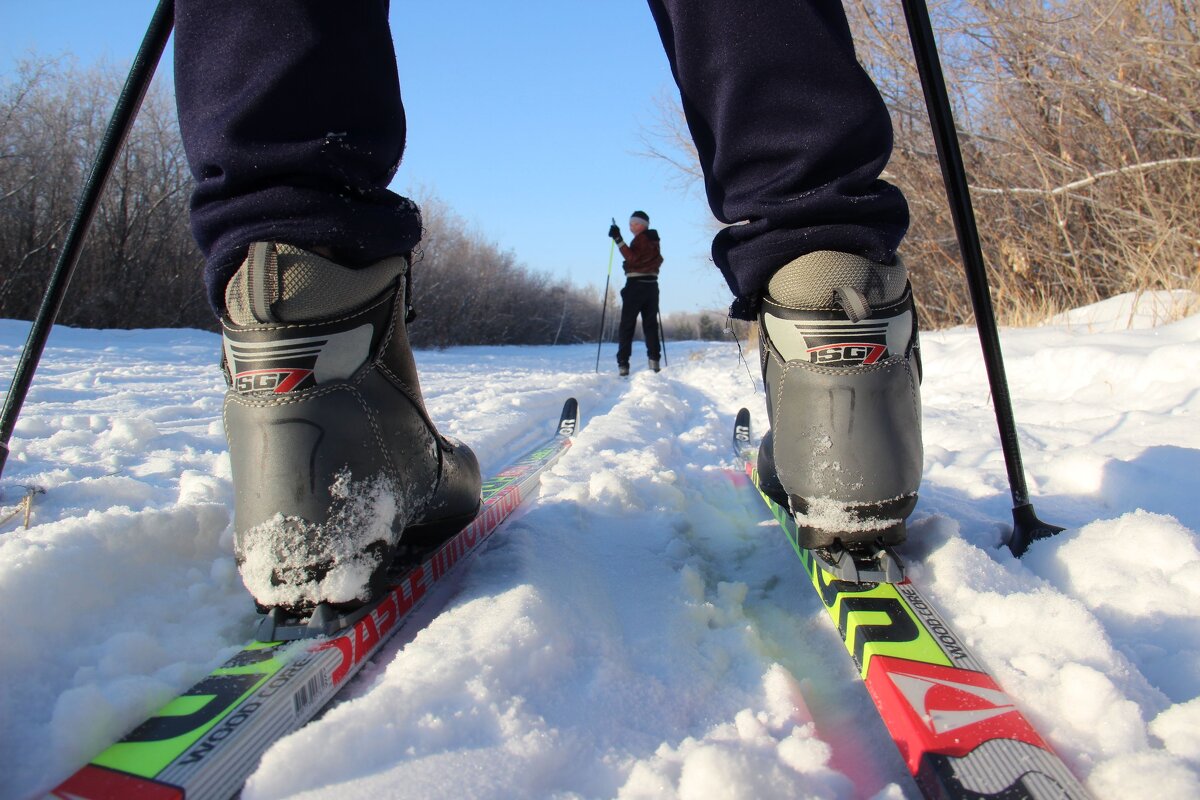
column 333, row 453
column 653, row 364
column 841, row 364
column 623, row 370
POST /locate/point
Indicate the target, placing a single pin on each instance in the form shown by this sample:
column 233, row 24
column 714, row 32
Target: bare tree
column 139, row 266
column 1080, row 128
column 466, row 290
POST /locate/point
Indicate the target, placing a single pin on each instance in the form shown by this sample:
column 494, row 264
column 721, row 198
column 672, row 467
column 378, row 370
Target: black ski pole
column 1026, row 525
column 128, row 103
column 604, row 308
column 662, row 339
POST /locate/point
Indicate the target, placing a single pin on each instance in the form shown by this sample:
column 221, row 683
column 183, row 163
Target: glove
column 614, row 233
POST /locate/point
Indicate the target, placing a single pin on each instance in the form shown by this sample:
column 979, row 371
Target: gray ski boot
column 841, row 364
column 332, row 451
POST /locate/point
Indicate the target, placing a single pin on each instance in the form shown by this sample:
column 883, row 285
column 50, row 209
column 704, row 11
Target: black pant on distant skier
column 640, row 296
column 293, row 124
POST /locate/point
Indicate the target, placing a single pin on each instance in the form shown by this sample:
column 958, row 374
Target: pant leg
column 791, row 132
column 293, row 125
column 630, row 307
column 650, row 321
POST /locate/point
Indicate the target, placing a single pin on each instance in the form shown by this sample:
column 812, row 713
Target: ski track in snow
column 638, row 630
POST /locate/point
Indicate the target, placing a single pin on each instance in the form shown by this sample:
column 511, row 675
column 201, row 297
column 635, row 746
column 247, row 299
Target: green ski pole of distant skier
column 612, row 245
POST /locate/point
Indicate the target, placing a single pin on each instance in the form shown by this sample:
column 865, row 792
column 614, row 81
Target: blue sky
column 526, row 118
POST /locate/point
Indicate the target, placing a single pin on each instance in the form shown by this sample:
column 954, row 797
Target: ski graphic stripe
column 870, row 619
column 207, row 741
column 99, row 783
column 962, row 737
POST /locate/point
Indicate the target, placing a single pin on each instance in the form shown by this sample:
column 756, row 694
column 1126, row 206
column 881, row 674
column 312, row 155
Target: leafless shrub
column 1079, row 122
column 139, row 266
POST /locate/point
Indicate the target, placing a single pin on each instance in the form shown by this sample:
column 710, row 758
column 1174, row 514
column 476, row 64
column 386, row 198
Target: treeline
column 680, row 326
column 468, row 291
column 1079, row 123
column 140, row 267
column 705, row 326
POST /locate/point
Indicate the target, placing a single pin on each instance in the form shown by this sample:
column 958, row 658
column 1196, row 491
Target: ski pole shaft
column 662, row 340
column 128, row 103
column 612, row 246
column 603, row 313
column 941, row 119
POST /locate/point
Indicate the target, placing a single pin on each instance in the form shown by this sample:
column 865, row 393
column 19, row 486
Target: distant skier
column 293, row 125
column 639, row 297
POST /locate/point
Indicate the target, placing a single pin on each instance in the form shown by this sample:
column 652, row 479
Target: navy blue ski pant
column 293, row 126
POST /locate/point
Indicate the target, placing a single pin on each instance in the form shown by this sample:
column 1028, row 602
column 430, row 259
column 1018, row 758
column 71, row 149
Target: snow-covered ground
column 639, row 631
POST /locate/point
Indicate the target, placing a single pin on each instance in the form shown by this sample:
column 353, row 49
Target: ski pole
column 662, row 339
column 1026, row 525
column 128, row 103
column 612, row 245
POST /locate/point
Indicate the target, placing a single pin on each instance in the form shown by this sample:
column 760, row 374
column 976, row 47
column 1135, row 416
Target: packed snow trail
column 207, row 741
column 640, row 630
column 571, row 598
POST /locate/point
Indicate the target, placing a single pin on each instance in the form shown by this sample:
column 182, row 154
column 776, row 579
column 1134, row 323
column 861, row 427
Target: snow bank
column 640, row 630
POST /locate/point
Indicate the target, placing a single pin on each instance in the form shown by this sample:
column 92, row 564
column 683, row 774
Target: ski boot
column 333, row 454
column 652, row 363
column 841, row 364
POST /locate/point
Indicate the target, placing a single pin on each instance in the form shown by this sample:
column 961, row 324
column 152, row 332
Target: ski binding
column 865, row 563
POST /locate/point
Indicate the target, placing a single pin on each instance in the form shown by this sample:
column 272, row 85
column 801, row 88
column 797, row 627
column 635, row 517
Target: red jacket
column 642, row 255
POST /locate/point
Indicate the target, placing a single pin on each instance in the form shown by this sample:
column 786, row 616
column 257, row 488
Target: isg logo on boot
column 846, row 345
column 837, row 342
column 286, row 365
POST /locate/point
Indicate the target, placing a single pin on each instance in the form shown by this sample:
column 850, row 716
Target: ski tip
column 568, row 423
column 741, row 429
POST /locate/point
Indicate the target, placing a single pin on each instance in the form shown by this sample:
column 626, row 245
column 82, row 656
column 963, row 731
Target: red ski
column 208, row 740
column 961, row 736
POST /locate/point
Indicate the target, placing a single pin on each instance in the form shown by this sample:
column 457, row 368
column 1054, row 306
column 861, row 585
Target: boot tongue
column 830, row 280
column 279, row 283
